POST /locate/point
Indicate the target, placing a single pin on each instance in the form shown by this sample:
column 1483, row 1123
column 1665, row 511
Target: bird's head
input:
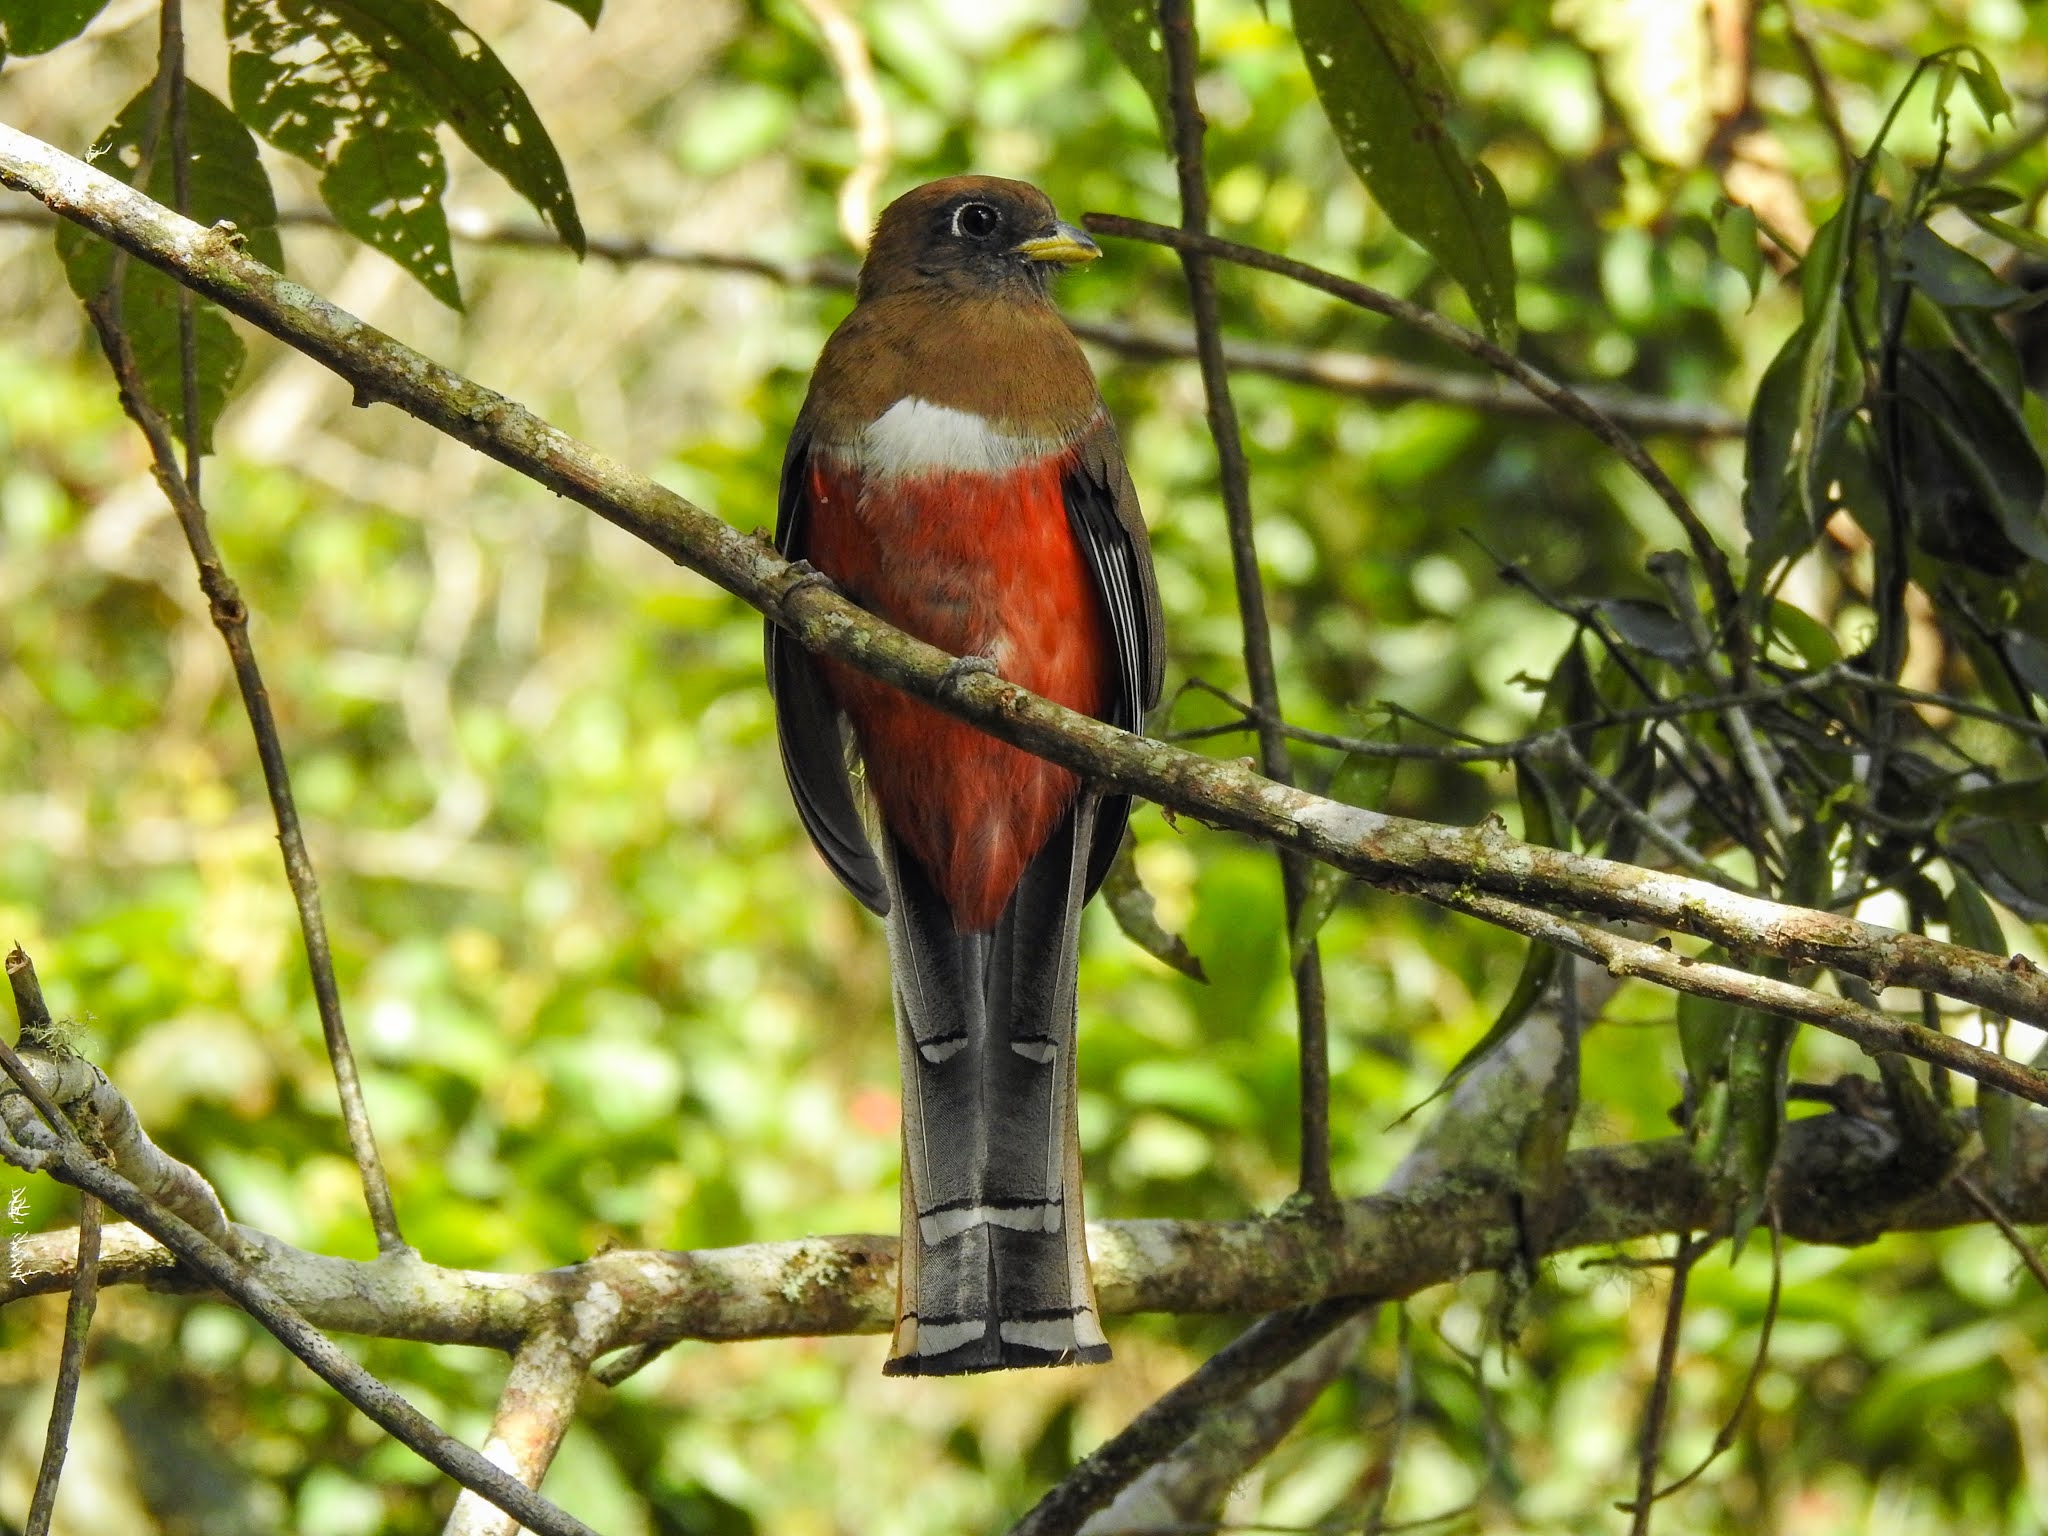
column 971, row 234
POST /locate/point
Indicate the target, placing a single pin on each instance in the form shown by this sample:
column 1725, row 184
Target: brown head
column 971, row 234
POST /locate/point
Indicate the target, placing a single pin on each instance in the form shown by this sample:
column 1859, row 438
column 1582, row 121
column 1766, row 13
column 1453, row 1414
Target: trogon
column 954, row 471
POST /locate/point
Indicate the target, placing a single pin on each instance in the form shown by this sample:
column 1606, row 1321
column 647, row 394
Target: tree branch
column 1383, row 850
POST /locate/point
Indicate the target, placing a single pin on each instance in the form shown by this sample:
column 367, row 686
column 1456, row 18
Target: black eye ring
column 975, row 221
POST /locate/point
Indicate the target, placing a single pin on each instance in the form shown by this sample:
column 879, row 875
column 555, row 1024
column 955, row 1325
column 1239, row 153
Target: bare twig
column 70, row 1367
column 1226, row 1375
column 848, row 50
column 1623, row 956
column 1724, row 1438
column 29, row 1006
column 1650, row 1446
column 1561, row 398
column 231, row 617
column 1177, row 22
column 1995, row 1213
column 535, row 1410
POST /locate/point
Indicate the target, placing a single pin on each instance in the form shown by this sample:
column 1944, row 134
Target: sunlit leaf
column 37, row 26
column 1132, row 27
column 1389, row 100
column 1737, row 244
column 1132, row 907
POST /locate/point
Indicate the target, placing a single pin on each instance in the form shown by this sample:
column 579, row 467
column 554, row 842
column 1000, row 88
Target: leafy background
column 606, row 995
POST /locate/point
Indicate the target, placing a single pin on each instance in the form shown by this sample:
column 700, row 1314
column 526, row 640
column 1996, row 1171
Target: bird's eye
column 976, row 221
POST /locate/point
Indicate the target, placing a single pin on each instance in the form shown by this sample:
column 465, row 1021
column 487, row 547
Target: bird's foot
column 962, row 667
column 804, row 574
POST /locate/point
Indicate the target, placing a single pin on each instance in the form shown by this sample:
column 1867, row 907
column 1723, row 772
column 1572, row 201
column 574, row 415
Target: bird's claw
column 805, row 574
column 961, row 667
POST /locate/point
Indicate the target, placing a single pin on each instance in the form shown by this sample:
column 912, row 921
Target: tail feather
column 994, row 1268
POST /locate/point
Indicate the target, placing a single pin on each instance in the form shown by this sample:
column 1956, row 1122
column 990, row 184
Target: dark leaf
column 1758, row 1056
column 1949, row 276
column 1978, row 488
column 224, row 181
column 586, row 9
column 1767, row 496
column 1389, row 100
column 1736, row 242
column 2028, row 657
column 37, row 26
column 2009, row 859
column 1132, row 907
column 1132, row 27
column 2009, row 800
column 1648, row 627
column 1363, row 780
column 1983, row 199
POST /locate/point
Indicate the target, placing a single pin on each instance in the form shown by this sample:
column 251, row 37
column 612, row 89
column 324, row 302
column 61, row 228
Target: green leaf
column 37, row 26
column 1363, row 780
column 1986, row 88
column 2028, row 657
column 2009, row 859
column 1821, row 277
column 1973, row 471
column 1388, row 99
column 1949, row 276
column 1979, row 199
column 1972, row 922
column 1132, row 907
column 1768, row 463
column 2016, row 235
column 224, row 181
column 1649, row 627
column 1736, row 242
column 1132, row 27
column 356, row 88
column 1813, row 640
column 1759, row 1056
column 1706, row 1026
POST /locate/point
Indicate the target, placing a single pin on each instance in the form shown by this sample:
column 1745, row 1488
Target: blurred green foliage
column 603, row 991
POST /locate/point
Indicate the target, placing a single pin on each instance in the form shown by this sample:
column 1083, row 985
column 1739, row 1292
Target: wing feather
column 1102, row 508
column 808, row 723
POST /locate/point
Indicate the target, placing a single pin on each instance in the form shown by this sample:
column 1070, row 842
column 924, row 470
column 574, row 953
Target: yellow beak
column 1066, row 245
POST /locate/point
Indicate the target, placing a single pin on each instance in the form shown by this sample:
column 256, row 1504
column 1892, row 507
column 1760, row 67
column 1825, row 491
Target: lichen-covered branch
column 1842, row 1179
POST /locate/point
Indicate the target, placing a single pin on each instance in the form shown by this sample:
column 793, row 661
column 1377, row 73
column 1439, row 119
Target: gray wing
column 1103, row 510
column 808, row 724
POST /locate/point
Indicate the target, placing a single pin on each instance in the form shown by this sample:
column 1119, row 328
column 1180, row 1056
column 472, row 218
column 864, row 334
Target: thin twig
column 848, row 50
column 1651, row 1445
column 231, row 617
column 1995, row 1214
column 1724, row 1438
column 1828, row 108
column 171, row 64
column 1873, row 1031
column 1177, row 22
column 1226, row 1375
column 1562, row 398
column 70, row 1368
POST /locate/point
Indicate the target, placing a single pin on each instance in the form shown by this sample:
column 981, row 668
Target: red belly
column 976, row 564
